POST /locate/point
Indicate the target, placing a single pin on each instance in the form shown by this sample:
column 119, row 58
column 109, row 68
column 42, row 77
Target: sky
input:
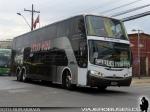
column 12, row 25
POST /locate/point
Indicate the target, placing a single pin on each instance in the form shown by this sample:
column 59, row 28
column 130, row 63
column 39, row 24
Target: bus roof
column 62, row 21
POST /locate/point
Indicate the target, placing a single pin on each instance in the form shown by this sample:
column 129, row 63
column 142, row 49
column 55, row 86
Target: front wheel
column 66, row 81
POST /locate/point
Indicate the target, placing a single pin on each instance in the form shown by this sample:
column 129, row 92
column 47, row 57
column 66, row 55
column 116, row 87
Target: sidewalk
column 142, row 81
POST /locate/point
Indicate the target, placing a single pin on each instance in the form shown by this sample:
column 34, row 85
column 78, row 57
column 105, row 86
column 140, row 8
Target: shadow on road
column 86, row 90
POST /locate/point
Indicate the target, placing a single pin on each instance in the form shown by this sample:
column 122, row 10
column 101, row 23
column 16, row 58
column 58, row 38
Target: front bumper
column 108, row 81
column 4, row 71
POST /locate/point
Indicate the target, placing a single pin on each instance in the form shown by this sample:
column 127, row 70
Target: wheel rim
column 23, row 76
column 68, row 81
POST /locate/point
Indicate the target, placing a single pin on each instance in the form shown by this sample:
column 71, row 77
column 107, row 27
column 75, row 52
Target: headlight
column 93, row 72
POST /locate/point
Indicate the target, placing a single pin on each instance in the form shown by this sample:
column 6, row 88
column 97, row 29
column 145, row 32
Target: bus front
column 5, row 60
column 109, row 54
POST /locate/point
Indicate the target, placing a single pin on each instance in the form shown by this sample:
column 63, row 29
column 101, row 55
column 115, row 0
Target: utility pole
column 139, row 51
column 32, row 15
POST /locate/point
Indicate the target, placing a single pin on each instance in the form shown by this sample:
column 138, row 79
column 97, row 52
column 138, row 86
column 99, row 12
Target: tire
column 18, row 74
column 68, row 82
column 63, row 82
column 23, row 76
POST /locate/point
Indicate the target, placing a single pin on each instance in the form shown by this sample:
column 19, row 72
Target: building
column 6, row 44
column 141, row 54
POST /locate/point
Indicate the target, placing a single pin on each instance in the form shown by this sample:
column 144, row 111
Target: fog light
column 125, row 75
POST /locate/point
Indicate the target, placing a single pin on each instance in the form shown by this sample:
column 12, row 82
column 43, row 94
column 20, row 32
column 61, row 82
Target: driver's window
column 83, row 54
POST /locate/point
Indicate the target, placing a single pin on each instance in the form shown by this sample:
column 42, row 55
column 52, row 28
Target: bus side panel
column 64, row 44
column 31, row 49
column 58, row 75
column 70, row 43
column 82, row 77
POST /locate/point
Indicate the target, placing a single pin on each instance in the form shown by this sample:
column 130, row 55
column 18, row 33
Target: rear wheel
column 18, row 74
column 24, row 76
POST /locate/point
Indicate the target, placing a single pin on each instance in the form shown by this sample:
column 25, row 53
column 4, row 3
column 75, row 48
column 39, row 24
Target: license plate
column 114, row 83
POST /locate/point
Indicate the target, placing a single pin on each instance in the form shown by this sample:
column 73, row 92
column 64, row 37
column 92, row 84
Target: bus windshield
column 105, row 27
column 109, row 54
column 5, row 56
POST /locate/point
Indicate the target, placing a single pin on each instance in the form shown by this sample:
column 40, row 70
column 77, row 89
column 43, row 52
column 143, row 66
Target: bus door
column 82, row 70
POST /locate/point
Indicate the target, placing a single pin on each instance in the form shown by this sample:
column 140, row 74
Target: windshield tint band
column 105, row 27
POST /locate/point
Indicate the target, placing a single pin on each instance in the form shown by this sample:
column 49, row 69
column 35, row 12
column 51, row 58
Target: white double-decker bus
column 85, row 50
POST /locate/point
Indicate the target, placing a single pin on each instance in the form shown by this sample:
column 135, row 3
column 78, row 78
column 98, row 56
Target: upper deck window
column 105, row 27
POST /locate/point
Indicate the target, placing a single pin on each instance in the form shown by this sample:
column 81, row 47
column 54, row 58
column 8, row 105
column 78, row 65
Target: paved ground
column 142, row 81
column 53, row 97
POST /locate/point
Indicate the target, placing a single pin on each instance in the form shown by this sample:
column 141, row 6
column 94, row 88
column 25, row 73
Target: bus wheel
column 24, row 76
column 68, row 82
column 18, row 74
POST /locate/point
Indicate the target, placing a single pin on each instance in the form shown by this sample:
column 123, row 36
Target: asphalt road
column 57, row 99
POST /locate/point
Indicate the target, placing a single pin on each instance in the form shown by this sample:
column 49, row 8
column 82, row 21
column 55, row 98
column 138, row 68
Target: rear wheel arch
column 66, row 78
column 18, row 70
column 23, row 69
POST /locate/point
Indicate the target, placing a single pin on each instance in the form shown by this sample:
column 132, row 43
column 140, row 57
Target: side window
column 81, row 26
column 52, row 31
column 62, row 29
column 61, row 58
column 26, row 53
column 77, row 26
